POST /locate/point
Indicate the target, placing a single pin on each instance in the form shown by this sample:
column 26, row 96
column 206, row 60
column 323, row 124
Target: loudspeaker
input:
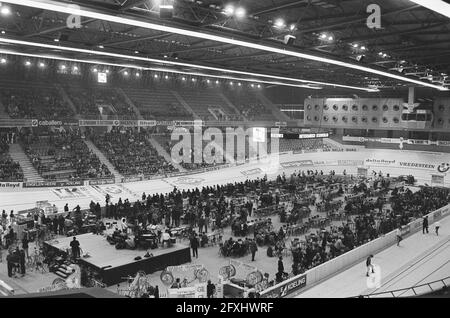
column 166, row 11
column 289, row 39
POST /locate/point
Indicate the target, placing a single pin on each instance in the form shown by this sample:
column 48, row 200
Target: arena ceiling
column 333, row 44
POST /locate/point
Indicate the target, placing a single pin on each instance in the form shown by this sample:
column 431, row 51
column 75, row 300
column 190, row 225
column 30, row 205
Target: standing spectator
column 253, row 249
column 399, row 235
column 25, row 245
column 61, row 224
column 194, row 245
column 66, row 208
column 425, row 224
column 75, row 245
column 437, row 225
column 369, row 265
column 210, row 289
column 280, row 265
column 55, row 225
column 22, row 261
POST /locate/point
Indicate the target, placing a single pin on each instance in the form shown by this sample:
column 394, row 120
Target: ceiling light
column 138, row 58
column 3, row 31
column 75, row 68
column 292, row 27
column 166, row 77
column 355, row 45
column 136, row 52
column 56, row 40
column 162, row 70
column 229, row 9
column 63, row 67
column 380, row 53
column 125, row 73
column 259, row 86
column 137, row 74
column 183, row 78
column 27, row 63
column 95, row 70
column 323, row 36
column 193, row 79
column 41, row 65
column 252, row 85
column 3, row 61
column 239, row 84
column 101, row 46
column 330, row 38
column 5, row 10
column 363, row 47
column 240, row 13
column 62, row 7
column 155, row 76
column 279, row 23
column 107, row 71
column 208, row 81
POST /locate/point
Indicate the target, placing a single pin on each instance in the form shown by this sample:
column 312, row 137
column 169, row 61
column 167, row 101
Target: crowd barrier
column 320, row 273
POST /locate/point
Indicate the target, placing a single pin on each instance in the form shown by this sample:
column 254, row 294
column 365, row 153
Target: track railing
column 433, row 286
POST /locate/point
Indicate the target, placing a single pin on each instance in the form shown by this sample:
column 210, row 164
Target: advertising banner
column 350, row 162
column 251, row 172
column 44, row 184
column 146, row 123
column 16, row 122
column 10, row 185
column 286, row 288
column 101, row 181
column 298, row 163
column 437, row 179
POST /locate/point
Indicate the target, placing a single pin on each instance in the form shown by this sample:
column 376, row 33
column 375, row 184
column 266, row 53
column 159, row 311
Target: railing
column 392, row 293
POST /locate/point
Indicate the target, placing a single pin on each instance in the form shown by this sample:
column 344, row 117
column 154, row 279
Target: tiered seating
column 62, row 155
column 201, row 100
column 301, row 144
column 95, row 101
column 33, row 100
column 131, row 153
column 249, row 106
column 157, row 103
column 9, row 170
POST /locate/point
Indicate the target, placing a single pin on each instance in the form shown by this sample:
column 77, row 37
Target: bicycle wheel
column 254, row 278
column 202, row 275
column 167, row 278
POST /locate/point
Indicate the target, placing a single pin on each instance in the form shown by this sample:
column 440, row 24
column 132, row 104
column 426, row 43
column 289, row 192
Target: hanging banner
column 437, row 179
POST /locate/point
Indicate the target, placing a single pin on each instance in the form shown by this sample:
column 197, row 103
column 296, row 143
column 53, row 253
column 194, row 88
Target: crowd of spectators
column 35, row 103
column 98, row 101
column 131, row 152
column 62, row 154
column 9, row 169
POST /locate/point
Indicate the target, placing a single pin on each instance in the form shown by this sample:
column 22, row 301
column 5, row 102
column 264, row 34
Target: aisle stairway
column 104, row 160
column 185, row 104
column 3, row 113
column 130, row 103
column 271, row 106
column 230, row 104
column 66, row 98
column 163, row 153
column 30, row 174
